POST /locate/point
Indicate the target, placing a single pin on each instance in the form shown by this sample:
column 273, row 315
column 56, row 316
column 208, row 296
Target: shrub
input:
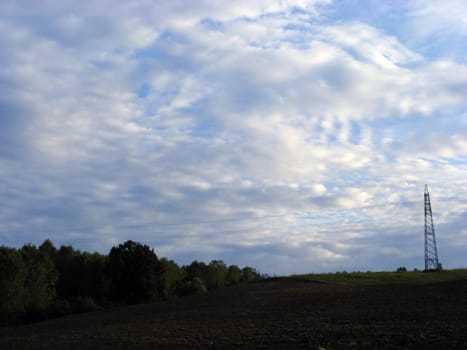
column 84, row 304
column 61, row 308
column 198, row 286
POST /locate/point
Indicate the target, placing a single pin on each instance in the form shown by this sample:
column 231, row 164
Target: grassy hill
column 327, row 311
column 383, row 277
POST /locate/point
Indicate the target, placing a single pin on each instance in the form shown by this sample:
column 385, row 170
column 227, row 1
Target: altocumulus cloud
column 293, row 136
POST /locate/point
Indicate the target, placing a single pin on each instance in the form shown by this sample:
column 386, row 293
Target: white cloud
column 441, row 16
column 370, row 45
column 209, row 128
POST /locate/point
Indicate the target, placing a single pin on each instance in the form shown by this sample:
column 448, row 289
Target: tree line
column 41, row 282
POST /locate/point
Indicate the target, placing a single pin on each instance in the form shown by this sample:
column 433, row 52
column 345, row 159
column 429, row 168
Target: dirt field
column 271, row 314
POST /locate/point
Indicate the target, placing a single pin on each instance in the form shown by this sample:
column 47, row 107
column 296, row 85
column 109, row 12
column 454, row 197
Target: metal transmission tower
column 431, row 252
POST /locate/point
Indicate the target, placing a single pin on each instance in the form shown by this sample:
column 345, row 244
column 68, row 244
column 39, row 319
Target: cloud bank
column 294, row 136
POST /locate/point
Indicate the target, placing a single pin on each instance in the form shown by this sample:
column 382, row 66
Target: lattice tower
column 431, row 252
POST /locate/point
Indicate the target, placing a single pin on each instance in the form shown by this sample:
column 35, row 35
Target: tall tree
column 12, row 276
column 95, row 281
column 196, row 269
column 39, row 284
column 172, row 275
column 249, row 274
column 48, row 248
column 68, row 262
column 216, row 274
column 233, row 275
column 135, row 273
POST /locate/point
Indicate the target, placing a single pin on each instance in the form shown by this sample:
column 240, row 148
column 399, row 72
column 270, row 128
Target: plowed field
column 280, row 313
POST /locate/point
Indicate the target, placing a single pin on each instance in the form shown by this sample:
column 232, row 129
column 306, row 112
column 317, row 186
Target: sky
column 293, row 136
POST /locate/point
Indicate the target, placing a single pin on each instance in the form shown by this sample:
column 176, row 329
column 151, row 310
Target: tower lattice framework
column 431, row 252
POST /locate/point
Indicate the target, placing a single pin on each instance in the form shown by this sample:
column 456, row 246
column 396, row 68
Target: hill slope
column 281, row 313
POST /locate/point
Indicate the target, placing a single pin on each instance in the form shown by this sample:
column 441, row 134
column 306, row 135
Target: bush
column 84, row 304
column 198, row 286
column 61, row 308
column 190, row 287
column 36, row 314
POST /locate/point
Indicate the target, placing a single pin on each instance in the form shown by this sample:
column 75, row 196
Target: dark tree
column 216, row 274
column 48, row 248
column 196, row 269
column 12, row 276
column 69, row 265
column 249, row 274
column 39, row 284
column 95, row 282
column 135, row 273
column 233, row 275
column 172, row 275
column 197, row 286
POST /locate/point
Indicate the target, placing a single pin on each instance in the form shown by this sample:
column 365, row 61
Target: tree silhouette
column 12, row 276
column 172, row 274
column 39, row 283
column 216, row 275
column 233, row 275
column 135, row 273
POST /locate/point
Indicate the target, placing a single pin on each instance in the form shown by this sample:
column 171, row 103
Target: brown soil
column 271, row 314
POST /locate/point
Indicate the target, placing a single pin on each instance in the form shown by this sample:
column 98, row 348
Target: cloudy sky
column 291, row 135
